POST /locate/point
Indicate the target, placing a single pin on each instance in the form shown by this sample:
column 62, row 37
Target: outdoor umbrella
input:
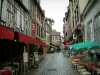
column 85, row 46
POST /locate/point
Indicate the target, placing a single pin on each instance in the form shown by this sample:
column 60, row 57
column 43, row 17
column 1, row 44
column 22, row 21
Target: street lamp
column 52, row 22
column 1, row 10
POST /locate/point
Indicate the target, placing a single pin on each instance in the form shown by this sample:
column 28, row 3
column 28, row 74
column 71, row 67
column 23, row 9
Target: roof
column 38, row 5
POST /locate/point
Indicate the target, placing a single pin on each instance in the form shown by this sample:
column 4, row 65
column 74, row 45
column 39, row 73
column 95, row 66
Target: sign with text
column 33, row 30
column 25, row 57
column 36, row 56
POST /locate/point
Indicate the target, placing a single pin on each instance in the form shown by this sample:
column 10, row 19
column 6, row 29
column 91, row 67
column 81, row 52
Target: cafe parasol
column 85, row 46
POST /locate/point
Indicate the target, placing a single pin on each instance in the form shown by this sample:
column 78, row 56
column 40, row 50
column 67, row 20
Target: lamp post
column 1, row 10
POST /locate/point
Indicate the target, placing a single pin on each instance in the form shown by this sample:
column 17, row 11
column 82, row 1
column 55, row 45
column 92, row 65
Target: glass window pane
column 98, row 35
column 18, row 19
column 97, row 21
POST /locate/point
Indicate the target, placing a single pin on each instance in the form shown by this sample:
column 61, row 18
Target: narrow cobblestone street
column 54, row 64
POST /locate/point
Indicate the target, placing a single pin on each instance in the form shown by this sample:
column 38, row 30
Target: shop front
column 6, row 41
column 13, row 45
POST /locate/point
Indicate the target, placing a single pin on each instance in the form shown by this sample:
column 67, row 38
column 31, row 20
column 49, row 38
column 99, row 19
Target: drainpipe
column 1, row 9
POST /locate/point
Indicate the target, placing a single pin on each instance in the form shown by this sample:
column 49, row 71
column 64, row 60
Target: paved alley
column 54, row 64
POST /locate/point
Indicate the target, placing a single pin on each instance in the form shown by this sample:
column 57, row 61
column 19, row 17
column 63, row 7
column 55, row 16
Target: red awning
column 42, row 44
column 27, row 39
column 6, row 33
column 45, row 46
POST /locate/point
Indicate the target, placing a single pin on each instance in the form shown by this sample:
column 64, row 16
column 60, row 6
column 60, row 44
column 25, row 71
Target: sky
column 55, row 9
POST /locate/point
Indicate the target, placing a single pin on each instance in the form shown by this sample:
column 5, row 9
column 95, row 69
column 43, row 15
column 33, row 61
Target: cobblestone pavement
column 55, row 64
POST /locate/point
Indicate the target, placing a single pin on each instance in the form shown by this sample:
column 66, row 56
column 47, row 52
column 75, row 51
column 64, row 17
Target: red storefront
column 6, row 33
column 10, row 47
column 26, row 39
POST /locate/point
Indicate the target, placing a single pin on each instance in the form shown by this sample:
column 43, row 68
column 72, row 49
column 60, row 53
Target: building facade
column 56, row 38
column 91, row 17
column 16, row 16
column 67, row 26
column 75, row 20
column 21, row 28
column 25, row 17
column 38, row 18
column 48, row 25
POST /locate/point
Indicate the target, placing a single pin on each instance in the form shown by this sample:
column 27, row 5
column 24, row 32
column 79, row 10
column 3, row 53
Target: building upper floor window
column 57, row 38
column 89, row 30
column 96, row 28
column 9, row 14
column 18, row 19
column 97, row 22
column 22, row 20
column 89, row 25
column 22, row 23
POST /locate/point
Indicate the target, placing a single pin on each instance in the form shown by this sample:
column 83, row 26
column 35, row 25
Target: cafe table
column 5, row 72
column 91, row 67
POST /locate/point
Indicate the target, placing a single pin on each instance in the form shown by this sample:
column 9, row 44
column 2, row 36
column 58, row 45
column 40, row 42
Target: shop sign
column 33, row 30
column 25, row 57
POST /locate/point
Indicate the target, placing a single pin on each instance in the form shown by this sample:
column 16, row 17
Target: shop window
column 89, row 31
column 96, row 27
column 26, row 25
column 18, row 19
column 10, row 15
column 22, row 23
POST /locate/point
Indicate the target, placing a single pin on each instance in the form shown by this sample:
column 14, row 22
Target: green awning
column 84, row 46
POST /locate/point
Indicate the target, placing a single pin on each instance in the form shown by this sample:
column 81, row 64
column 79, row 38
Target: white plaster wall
column 4, row 10
column 91, row 14
column 82, row 4
column 26, row 3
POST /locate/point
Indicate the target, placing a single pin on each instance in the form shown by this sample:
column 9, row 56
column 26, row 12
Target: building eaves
column 88, row 7
column 38, row 5
column 22, row 5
